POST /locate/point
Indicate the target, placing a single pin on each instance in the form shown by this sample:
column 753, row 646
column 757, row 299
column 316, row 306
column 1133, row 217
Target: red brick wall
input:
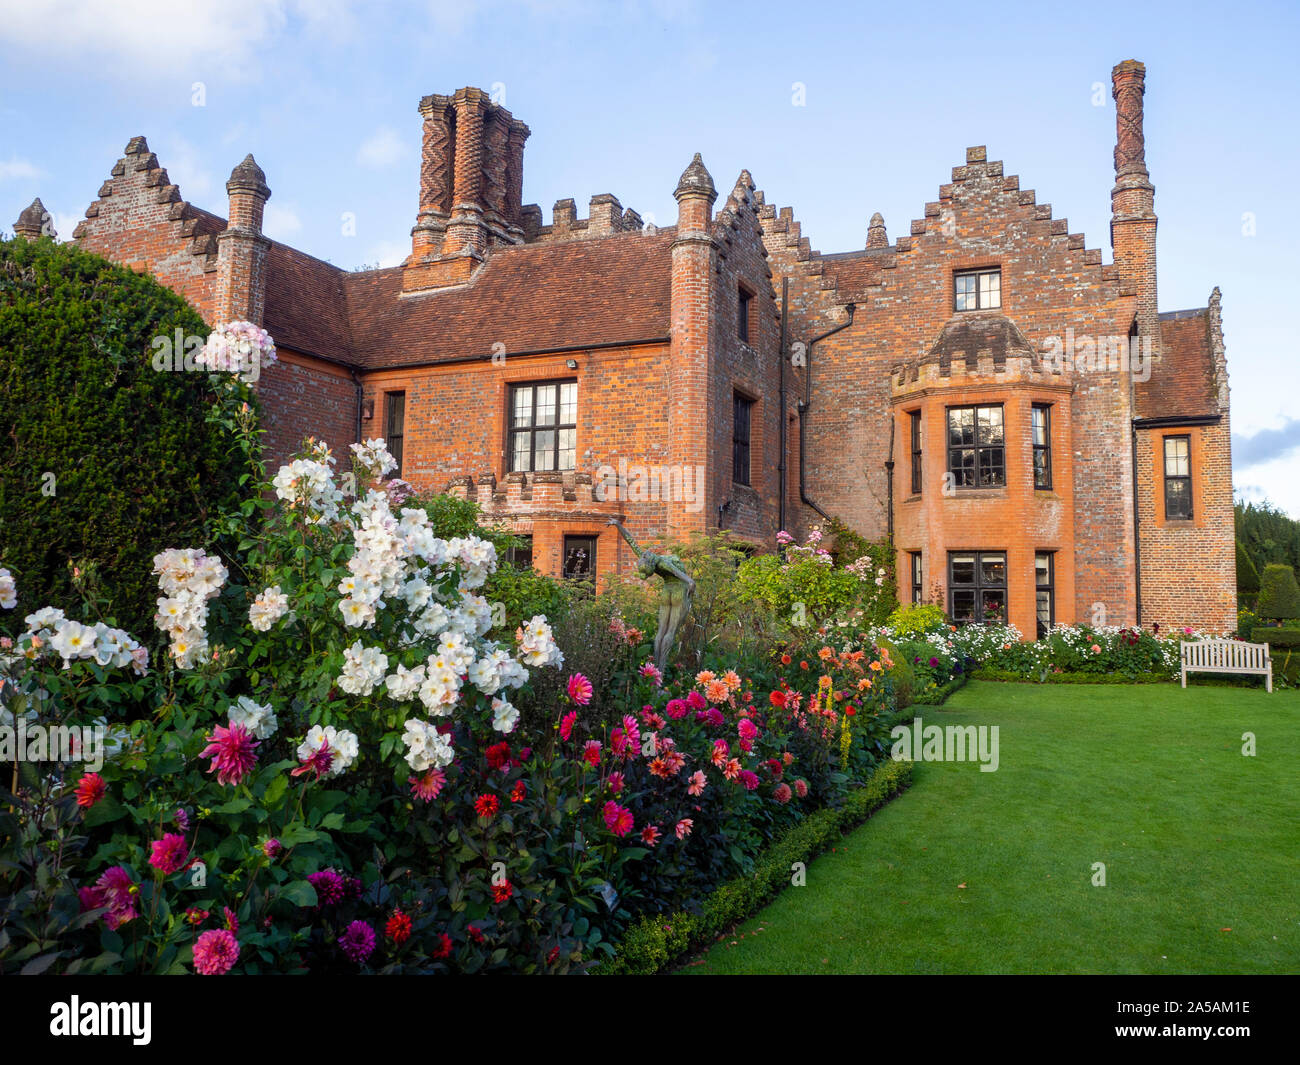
column 301, row 397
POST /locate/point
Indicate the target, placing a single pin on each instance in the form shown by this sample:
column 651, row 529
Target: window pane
column 568, row 449
column 569, row 403
column 963, row 606
column 544, row 450
column 520, row 455
column 523, row 413
column 1040, row 425
column 963, row 569
column 990, row 425
column 991, row 290
column 1178, row 502
column 1042, row 569
column 993, row 606
column 1040, row 468
column 579, row 557
column 546, row 401
column 1176, row 456
column 993, row 569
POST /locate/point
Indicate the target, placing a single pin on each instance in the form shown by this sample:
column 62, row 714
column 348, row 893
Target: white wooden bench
column 1226, row 656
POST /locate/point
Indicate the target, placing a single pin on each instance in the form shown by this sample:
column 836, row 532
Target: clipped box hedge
column 653, row 942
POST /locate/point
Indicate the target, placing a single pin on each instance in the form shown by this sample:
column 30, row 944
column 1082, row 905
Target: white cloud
column 19, row 169
column 280, row 221
column 384, row 148
column 138, row 40
column 184, row 168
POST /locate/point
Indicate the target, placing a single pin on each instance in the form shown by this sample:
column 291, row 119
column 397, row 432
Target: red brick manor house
column 1040, row 442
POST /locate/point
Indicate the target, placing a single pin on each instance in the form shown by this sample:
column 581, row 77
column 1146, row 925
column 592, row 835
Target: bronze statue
column 674, row 600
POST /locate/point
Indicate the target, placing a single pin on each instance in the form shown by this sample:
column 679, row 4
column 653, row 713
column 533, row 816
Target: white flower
column 537, row 644
column 47, row 617
column 342, row 744
column 363, row 668
column 8, row 589
column 441, row 687
column 74, row 640
column 374, row 457
column 405, row 682
column 268, row 608
column 426, row 747
column 357, row 613
column 504, row 716
column 258, row 719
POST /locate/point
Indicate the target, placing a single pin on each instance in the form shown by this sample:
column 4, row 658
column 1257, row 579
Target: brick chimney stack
column 471, row 188
column 1133, row 216
column 242, row 248
column 32, row 222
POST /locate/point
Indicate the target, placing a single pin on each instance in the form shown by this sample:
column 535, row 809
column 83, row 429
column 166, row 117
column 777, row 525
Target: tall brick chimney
column 1132, row 200
column 692, row 298
column 32, row 222
column 471, row 188
column 242, row 248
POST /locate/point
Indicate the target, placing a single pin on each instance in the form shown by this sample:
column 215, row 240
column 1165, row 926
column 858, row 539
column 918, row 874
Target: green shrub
column 1276, row 637
column 1247, row 574
column 653, row 942
column 917, row 619
column 1279, row 595
column 104, row 460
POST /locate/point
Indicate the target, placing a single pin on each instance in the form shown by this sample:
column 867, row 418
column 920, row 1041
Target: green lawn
column 971, row 872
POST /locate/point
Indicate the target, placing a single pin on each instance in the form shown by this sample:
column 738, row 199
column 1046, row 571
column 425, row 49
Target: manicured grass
column 972, row 872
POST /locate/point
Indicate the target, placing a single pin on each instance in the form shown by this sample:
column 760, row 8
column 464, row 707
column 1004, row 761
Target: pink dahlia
column 749, row 779
column 591, row 752
column 233, row 753
column 566, row 724
column 747, row 729
column 272, row 848
column 618, row 819
column 684, row 827
column 676, row 709
column 428, row 786
column 698, row 783
column 616, row 782
column 320, row 761
column 116, row 890
column 651, row 671
column 695, row 701
column 215, row 952
column 782, row 793
column 358, row 941
column 170, row 854
column 801, row 787
column 580, row 689
column 650, row 835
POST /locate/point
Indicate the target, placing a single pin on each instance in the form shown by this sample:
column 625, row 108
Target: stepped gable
column 529, row 297
column 139, row 180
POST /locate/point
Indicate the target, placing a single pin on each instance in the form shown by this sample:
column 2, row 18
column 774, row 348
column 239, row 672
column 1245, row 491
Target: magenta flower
column 170, row 854
column 272, row 848
column 566, row 724
column 319, row 761
column 749, row 779
column 695, row 701
column 746, row 729
column 618, row 819
column 676, row 709
column 782, row 793
column 233, row 753
column 215, row 952
column 329, row 886
column 580, row 690
column 116, row 890
column 358, row 942
column 428, row 786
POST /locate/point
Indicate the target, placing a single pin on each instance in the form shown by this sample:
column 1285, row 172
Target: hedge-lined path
column 992, row 872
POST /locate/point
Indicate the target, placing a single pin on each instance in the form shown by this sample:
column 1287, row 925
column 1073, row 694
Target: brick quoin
column 646, row 321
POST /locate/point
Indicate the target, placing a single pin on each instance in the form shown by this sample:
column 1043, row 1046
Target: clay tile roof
column 530, row 297
column 305, row 305
column 854, row 271
column 1182, row 382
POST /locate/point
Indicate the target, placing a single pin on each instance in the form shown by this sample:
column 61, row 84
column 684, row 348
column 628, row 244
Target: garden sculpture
column 674, row 599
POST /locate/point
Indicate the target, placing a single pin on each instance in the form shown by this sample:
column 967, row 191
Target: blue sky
column 619, row 96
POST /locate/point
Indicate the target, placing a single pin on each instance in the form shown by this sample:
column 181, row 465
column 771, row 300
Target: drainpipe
column 805, row 404
column 360, row 393
column 780, row 469
column 889, row 473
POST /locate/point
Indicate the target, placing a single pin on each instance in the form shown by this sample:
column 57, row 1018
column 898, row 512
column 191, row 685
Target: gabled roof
column 1183, row 382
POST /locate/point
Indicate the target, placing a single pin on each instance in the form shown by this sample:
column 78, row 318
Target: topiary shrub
column 104, row 460
column 1279, row 596
column 917, row 619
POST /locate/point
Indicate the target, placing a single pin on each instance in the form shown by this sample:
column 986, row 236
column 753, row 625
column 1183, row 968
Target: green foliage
column 917, row 619
column 1268, row 535
column 652, row 943
column 1279, row 595
column 1280, row 637
column 1247, row 574
column 995, row 673
column 135, row 463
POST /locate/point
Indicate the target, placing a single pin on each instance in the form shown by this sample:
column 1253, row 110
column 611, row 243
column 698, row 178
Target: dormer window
column 977, row 290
